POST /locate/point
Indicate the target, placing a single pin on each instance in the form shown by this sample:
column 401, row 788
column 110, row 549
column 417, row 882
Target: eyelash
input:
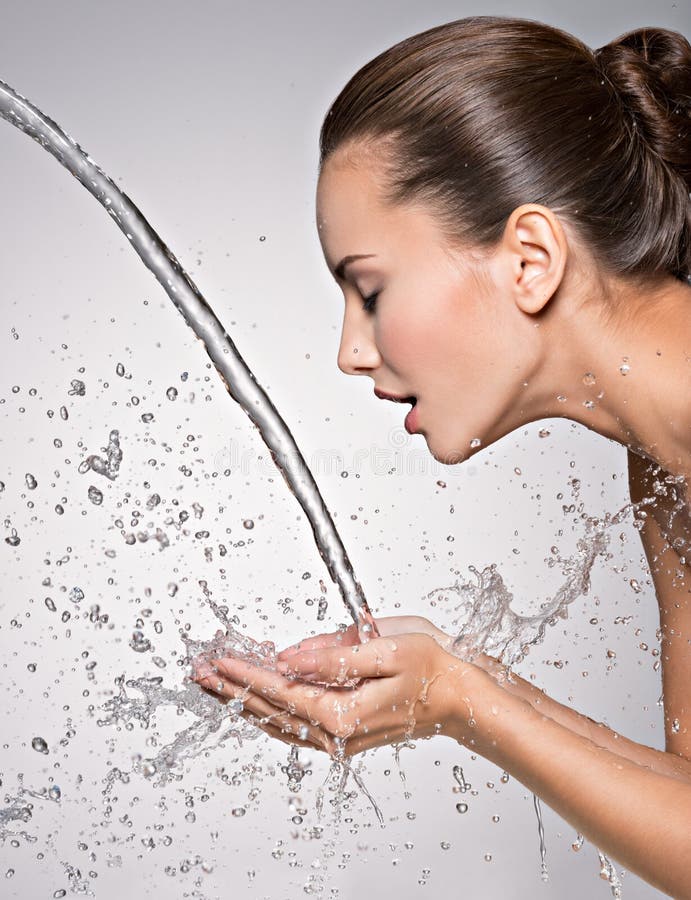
column 368, row 303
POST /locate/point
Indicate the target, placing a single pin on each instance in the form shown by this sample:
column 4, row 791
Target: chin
column 446, row 454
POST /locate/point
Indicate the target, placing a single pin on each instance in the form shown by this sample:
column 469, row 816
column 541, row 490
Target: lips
column 395, row 398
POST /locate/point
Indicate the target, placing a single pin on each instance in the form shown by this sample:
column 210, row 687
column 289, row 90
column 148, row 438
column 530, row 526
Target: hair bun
column 651, row 70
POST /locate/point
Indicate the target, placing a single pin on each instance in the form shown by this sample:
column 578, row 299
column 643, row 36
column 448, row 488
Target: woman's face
column 437, row 330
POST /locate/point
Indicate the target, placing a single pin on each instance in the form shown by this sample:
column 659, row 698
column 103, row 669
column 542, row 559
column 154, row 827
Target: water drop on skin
column 476, row 442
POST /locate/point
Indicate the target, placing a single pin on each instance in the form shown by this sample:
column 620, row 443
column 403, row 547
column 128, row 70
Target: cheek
column 433, row 336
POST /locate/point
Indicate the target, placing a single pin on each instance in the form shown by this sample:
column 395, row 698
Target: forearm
column 635, row 814
column 656, row 760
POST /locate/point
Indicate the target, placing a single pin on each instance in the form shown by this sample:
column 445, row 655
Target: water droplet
column 95, row 495
column 49, row 603
column 76, row 595
column 139, row 643
column 248, row 524
column 31, row 667
column 64, row 415
column 54, row 792
column 561, row 398
column 544, row 432
column 13, row 540
column 462, row 807
column 78, row 388
column 238, row 812
column 39, row 745
column 31, row 482
column 476, row 442
column 120, row 370
column 589, row 378
column 172, row 393
column 625, row 368
column 445, row 845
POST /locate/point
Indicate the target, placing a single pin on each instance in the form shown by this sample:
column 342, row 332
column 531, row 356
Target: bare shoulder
column 666, row 535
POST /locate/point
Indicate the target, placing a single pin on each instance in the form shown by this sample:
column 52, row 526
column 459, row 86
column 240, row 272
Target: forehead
column 349, row 196
column 354, row 216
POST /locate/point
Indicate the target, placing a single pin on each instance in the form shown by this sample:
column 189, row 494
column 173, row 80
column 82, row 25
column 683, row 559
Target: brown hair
column 479, row 116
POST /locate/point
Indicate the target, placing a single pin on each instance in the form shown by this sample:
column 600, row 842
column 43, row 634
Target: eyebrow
column 347, row 260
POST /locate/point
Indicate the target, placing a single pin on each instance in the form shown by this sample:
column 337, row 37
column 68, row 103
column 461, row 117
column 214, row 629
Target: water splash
column 239, row 381
column 18, row 809
column 484, row 615
column 213, row 723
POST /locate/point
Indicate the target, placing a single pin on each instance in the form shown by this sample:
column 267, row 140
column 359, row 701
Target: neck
column 621, row 365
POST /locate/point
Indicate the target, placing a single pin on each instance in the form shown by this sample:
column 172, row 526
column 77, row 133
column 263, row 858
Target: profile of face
column 425, row 317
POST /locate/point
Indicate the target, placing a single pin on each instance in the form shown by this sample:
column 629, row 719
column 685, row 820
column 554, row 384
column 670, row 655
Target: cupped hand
column 332, row 693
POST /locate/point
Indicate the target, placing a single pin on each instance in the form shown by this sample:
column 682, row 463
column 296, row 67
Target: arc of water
column 234, row 371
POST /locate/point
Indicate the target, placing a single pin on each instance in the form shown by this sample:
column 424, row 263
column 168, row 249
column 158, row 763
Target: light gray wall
column 208, row 116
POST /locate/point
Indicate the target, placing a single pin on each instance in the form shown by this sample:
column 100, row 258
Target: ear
column 537, row 249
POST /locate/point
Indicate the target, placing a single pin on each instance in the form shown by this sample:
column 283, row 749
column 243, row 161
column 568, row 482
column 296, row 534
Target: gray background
column 208, row 116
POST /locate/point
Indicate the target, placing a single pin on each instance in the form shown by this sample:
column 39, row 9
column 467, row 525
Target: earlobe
column 538, row 250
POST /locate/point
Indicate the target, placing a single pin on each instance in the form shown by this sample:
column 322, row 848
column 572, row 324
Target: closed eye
column 369, row 303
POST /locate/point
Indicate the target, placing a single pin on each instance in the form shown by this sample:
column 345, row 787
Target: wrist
column 471, row 694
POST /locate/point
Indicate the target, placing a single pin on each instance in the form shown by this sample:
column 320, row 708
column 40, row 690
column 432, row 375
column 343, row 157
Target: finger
column 288, row 737
column 338, row 665
column 341, row 638
column 287, row 694
column 261, row 712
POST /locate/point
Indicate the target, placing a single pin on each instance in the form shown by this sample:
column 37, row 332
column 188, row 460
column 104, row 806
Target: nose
column 358, row 353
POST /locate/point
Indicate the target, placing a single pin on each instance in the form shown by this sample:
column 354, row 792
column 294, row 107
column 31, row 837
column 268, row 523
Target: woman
column 507, row 213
